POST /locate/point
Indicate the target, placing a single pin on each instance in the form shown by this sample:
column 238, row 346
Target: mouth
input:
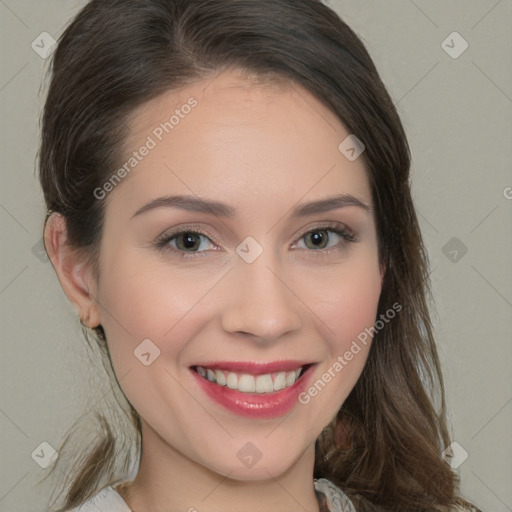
column 253, row 378
column 254, row 390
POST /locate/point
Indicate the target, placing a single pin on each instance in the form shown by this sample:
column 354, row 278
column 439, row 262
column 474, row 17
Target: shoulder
column 336, row 500
column 106, row 500
column 333, row 499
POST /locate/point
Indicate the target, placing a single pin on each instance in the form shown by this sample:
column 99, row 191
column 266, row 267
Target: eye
column 185, row 241
column 325, row 237
column 191, row 242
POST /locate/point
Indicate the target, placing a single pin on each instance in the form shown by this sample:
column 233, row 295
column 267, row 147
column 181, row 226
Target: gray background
column 458, row 116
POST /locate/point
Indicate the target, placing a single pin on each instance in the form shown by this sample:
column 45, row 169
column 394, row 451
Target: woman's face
column 265, row 271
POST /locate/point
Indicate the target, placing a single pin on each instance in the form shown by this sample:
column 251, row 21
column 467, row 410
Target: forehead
column 236, row 132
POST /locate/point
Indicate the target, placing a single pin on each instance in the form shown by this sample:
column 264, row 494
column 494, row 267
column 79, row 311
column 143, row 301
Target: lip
column 255, row 405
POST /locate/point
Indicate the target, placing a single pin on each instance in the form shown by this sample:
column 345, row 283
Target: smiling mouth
column 247, row 383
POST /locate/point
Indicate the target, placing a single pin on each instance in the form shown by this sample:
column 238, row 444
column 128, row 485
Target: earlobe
column 75, row 277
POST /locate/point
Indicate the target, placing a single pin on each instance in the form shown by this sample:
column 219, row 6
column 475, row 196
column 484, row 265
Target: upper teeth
column 251, row 383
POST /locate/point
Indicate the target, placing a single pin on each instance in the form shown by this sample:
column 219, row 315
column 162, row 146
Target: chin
column 258, row 472
column 250, row 464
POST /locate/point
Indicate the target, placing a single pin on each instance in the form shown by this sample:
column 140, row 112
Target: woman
column 229, row 211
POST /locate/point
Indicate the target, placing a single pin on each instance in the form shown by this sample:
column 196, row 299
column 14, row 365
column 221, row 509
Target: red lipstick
column 256, row 405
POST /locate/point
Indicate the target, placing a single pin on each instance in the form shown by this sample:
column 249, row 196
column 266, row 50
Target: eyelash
column 162, row 242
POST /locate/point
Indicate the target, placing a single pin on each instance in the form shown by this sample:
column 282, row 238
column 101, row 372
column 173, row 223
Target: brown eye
column 185, row 242
column 318, row 239
column 325, row 238
column 188, row 241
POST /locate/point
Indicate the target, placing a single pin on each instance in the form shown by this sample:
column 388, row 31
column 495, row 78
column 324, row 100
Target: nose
column 259, row 302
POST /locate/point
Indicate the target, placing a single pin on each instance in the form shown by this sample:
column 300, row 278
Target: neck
column 167, row 481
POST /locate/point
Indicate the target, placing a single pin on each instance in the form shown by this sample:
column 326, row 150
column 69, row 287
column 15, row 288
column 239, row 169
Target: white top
column 109, row 500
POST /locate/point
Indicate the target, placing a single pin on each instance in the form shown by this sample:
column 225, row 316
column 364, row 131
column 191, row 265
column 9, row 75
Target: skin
column 262, row 149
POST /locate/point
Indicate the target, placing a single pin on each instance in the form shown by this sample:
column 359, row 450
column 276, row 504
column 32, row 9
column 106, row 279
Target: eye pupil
column 190, row 241
column 318, row 238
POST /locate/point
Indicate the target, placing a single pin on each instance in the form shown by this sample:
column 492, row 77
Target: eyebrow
column 197, row 204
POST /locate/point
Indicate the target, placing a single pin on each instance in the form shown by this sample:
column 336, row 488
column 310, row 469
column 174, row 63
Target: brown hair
column 384, row 448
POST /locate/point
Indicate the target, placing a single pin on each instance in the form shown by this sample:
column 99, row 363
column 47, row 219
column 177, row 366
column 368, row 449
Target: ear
column 75, row 276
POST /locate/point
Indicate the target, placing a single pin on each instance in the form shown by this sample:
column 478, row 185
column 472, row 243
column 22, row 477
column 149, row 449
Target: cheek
column 347, row 304
column 143, row 300
column 353, row 307
column 347, row 309
column 346, row 298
